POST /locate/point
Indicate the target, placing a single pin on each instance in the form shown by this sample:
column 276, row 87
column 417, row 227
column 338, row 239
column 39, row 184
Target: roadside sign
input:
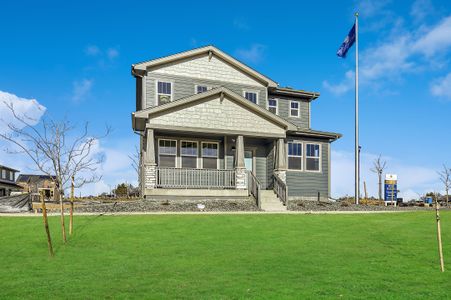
column 391, row 187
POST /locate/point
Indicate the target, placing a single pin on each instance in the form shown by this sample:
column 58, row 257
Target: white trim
column 156, row 90
column 319, row 158
column 277, row 104
column 251, row 91
column 158, row 151
column 301, row 156
column 299, row 109
column 189, row 155
column 202, row 156
column 196, row 85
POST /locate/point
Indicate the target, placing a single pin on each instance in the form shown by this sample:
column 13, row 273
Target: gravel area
column 166, row 205
column 300, row 205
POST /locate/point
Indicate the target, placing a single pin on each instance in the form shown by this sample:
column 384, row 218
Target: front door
column 249, row 160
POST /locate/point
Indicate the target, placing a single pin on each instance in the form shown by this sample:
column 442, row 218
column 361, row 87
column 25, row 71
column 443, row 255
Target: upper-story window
column 312, row 157
column 295, row 155
column 200, row 88
column 3, row 174
column 294, row 109
column 164, row 92
column 251, row 96
column 272, row 106
column 11, row 175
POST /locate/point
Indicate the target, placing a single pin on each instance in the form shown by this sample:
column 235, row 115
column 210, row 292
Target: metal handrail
column 254, row 187
column 281, row 189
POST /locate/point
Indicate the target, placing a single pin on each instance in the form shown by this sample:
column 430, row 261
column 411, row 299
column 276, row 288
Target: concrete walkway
column 288, row 212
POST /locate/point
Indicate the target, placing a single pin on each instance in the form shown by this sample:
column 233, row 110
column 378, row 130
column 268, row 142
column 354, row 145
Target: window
column 188, row 152
column 167, row 152
column 294, row 109
column 11, row 175
column 210, row 155
column 312, row 157
column 201, row 89
column 295, row 155
column 251, row 96
column 3, row 174
column 272, row 106
column 164, row 92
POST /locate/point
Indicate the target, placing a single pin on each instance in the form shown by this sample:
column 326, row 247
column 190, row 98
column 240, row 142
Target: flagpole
column 357, row 160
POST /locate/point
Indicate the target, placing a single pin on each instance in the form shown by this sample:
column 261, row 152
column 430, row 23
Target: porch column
column 280, row 166
column 240, row 168
column 149, row 176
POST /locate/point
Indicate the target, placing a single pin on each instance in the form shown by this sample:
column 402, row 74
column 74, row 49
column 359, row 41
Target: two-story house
column 8, row 181
column 211, row 126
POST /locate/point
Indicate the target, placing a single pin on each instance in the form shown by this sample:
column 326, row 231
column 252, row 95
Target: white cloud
column 254, row 54
column 29, row 108
column 81, row 89
column 342, row 87
column 436, row 40
column 412, row 180
column 92, row 50
column 442, row 87
column 398, row 54
column 112, row 53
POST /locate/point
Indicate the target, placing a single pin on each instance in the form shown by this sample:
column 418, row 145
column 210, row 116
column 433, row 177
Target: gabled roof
column 211, row 50
column 139, row 117
column 8, row 168
column 317, row 134
column 32, row 178
column 286, row 91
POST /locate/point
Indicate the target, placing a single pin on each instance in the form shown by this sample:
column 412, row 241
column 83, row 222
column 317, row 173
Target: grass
column 228, row 256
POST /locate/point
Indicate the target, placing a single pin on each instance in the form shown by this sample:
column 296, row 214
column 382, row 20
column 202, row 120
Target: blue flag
column 347, row 43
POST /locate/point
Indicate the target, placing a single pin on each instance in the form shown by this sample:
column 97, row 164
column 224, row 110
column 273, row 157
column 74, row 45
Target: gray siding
column 184, row 86
column 304, row 184
column 262, row 151
column 284, row 110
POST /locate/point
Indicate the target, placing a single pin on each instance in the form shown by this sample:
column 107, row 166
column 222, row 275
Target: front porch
column 178, row 164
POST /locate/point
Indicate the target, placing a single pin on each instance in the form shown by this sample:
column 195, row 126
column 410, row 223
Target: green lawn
column 228, row 256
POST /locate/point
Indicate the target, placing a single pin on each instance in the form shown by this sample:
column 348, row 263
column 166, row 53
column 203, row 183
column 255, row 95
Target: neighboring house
column 38, row 184
column 7, row 181
column 213, row 127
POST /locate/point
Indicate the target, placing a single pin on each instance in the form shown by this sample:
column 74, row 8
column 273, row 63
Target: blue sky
column 74, row 58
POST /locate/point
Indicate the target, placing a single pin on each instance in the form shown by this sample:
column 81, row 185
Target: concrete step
column 270, row 202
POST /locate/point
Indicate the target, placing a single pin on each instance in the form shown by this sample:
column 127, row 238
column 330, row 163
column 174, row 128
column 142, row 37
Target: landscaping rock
column 144, row 205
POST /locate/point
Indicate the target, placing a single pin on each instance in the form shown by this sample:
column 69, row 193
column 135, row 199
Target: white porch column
column 280, row 166
column 240, row 168
column 149, row 174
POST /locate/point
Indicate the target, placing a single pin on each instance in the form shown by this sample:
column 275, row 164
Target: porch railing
column 281, row 190
column 254, row 187
column 195, row 178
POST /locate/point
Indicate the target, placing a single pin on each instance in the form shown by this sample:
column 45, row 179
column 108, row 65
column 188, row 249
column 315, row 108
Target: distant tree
column 445, row 178
column 378, row 168
column 135, row 159
column 57, row 149
column 121, row 190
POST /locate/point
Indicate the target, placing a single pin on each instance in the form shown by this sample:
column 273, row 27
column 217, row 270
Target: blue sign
column 391, row 192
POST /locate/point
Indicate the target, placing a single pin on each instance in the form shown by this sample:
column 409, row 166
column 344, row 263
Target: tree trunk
column 380, row 187
column 71, row 218
column 63, row 225
column 447, row 198
column 46, row 225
